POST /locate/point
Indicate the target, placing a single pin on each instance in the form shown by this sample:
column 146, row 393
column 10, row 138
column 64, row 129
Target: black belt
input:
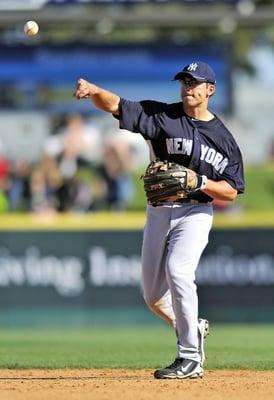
column 185, row 200
column 192, row 201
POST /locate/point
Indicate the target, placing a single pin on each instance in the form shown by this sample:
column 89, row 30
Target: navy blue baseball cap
column 200, row 71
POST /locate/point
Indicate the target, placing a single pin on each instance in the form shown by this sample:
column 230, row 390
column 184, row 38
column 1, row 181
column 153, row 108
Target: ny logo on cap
column 192, row 67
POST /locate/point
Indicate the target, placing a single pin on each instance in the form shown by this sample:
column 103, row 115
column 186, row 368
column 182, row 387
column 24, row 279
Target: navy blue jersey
column 207, row 147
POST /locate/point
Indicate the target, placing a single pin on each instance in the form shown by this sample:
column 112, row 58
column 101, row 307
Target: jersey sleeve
column 234, row 173
column 141, row 117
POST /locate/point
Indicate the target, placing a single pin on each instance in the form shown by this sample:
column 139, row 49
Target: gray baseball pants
column 175, row 236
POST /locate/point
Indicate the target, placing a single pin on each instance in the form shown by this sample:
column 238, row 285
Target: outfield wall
column 93, row 275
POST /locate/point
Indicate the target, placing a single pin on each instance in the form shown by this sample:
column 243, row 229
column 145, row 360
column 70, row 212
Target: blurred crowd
column 80, row 169
column 77, row 171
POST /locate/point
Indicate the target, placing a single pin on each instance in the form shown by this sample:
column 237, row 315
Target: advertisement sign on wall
column 101, row 269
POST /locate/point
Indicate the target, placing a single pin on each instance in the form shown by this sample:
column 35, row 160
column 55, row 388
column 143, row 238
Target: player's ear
column 210, row 89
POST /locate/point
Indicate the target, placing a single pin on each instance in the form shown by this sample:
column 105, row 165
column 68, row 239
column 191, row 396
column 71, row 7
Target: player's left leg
column 188, row 238
column 163, row 308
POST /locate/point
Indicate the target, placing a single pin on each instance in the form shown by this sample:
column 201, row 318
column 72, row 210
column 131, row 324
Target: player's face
column 194, row 93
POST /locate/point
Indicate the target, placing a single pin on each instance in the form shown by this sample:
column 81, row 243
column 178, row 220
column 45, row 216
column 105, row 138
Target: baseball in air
column 31, row 28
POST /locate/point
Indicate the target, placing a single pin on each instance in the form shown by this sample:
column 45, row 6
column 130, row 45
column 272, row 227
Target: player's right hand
column 84, row 89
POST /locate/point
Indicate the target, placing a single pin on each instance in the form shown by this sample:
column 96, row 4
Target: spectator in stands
column 72, row 144
column 45, row 185
column 72, row 147
column 19, row 186
column 116, row 172
column 4, row 181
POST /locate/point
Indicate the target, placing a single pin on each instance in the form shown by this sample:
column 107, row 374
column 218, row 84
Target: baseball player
column 176, row 231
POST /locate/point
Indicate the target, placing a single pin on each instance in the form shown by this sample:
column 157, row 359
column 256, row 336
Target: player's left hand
column 191, row 181
column 168, row 181
column 195, row 181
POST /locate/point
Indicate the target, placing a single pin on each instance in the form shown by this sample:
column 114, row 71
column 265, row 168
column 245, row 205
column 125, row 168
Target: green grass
column 227, row 346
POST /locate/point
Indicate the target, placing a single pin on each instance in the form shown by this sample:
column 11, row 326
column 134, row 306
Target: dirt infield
column 120, row 384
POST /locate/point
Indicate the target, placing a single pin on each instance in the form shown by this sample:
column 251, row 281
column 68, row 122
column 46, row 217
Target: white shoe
column 203, row 331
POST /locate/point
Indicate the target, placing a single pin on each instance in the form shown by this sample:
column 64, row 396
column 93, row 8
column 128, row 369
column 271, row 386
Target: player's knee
column 180, row 274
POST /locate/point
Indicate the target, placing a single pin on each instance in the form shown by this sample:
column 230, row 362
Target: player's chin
column 189, row 101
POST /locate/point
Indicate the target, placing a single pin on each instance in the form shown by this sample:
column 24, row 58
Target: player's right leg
column 154, row 250
column 163, row 308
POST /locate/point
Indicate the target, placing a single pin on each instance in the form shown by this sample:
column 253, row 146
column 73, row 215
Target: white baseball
column 31, row 28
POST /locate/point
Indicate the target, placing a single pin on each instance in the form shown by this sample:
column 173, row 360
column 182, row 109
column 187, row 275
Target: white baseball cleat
column 203, row 331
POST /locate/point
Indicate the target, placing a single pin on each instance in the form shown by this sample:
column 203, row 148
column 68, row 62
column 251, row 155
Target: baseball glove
column 167, row 181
